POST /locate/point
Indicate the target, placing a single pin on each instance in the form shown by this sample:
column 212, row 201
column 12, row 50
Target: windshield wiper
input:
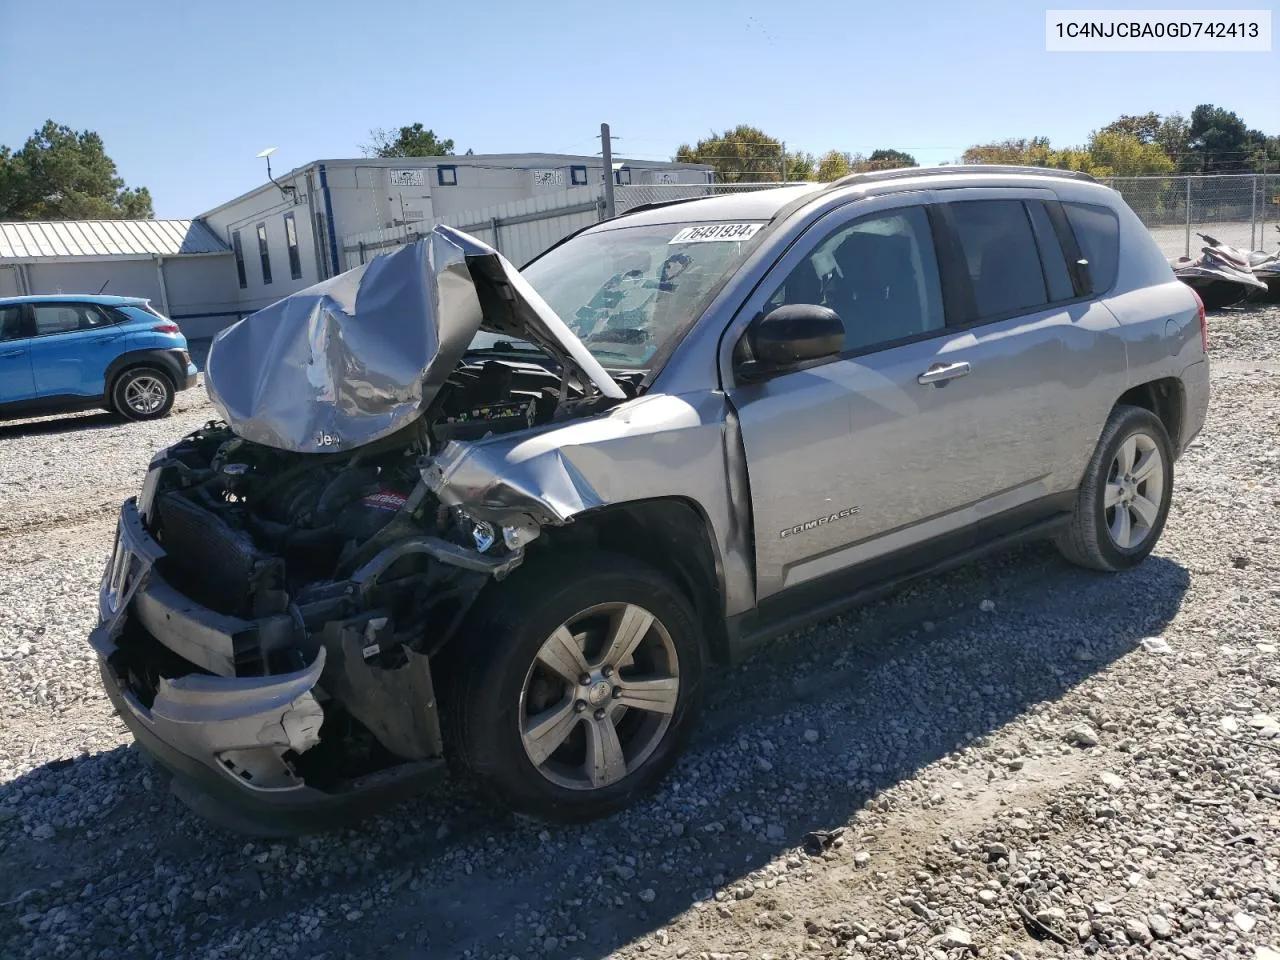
column 508, row 346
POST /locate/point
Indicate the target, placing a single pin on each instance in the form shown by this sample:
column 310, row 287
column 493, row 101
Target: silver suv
column 457, row 514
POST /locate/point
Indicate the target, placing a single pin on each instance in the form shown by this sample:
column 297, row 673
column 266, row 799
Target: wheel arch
column 1166, row 398
column 132, row 360
column 672, row 535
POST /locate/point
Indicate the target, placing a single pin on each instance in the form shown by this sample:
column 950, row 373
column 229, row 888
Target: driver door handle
column 942, row 372
column 12, row 353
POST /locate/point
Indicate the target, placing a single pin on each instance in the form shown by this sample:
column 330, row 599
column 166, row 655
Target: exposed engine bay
column 347, row 555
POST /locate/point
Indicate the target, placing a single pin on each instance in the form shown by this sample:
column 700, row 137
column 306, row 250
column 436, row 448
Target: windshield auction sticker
column 717, row 232
column 1158, row 31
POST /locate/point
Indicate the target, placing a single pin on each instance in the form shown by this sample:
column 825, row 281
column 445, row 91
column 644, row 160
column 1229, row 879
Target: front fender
column 658, row 446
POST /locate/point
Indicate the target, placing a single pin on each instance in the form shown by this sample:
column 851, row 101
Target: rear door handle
column 12, row 353
column 942, row 372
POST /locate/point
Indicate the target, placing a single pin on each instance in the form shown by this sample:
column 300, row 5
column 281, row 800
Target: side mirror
column 792, row 336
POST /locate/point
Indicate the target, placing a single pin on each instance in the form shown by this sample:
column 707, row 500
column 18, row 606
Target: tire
column 1098, row 538
column 142, row 393
column 493, row 683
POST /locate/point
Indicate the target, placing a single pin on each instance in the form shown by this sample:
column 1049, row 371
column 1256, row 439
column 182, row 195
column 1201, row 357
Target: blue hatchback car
column 63, row 353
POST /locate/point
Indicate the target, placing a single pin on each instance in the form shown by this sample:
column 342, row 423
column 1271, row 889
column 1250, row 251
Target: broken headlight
column 484, row 535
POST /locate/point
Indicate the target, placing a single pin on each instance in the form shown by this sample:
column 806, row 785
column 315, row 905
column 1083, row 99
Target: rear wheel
column 1125, row 495
column 575, row 690
column 142, row 393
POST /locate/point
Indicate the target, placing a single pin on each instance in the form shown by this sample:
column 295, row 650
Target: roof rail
column 656, row 204
column 899, row 173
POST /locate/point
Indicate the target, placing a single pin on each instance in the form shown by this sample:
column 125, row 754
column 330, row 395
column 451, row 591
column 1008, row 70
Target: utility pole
column 606, row 151
column 783, row 147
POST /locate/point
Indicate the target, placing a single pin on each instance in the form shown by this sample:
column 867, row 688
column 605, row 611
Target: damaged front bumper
column 232, row 742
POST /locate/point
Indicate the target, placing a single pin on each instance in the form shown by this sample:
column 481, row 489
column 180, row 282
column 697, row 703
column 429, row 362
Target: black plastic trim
column 167, row 359
column 1080, row 277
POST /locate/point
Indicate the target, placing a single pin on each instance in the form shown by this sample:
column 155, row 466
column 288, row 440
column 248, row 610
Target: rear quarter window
column 140, row 313
column 1097, row 231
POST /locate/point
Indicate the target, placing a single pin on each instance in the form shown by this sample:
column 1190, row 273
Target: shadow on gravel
column 887, row 690
column 66, row 423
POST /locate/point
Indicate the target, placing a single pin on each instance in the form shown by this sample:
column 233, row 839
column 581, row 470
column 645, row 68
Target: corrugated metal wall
column 519, row 229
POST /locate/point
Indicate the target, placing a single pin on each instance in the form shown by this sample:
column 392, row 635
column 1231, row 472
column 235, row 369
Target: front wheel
column 142, row 393
column 1125, row 494
column 575, row 689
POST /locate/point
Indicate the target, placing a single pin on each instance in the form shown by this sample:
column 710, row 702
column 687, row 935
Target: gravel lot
column 1018, row 759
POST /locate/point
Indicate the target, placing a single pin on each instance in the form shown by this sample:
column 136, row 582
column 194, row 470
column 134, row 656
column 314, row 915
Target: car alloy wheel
column 144, row 394
column 1134, row 491
column 599, row 696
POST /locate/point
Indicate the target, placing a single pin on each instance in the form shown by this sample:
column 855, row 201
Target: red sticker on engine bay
column 385, row 500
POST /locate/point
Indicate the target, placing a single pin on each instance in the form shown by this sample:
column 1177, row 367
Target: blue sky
column 185, row 93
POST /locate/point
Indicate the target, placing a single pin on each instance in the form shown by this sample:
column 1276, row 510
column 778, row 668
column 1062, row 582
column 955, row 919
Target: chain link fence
column 1242, row 210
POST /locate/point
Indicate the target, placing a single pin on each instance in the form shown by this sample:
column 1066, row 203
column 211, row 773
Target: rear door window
column 1097, row 230
column 1000, row 256
column 66, row 317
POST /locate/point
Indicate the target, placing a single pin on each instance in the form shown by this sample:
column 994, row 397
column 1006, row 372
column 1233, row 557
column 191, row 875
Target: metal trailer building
column 293, row 231
column 179, row 265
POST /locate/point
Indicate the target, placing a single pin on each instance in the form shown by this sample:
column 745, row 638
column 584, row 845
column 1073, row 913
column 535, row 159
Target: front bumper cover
column 226, row 738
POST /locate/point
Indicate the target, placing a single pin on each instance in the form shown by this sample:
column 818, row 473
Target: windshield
column 625, row 292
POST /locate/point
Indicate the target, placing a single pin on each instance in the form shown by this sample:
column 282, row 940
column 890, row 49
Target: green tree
column 889, row 160
column 1110, row 152
column 833, row 165
column 411, row 141
column 1142, row 127
column 801, row 166
column 1021, row 152
column 1114, row 154
column 1266, row 155
column 744, row 154
column 1218, row 141
column 62, row 174
column 1173, row 135
column 1213, row 140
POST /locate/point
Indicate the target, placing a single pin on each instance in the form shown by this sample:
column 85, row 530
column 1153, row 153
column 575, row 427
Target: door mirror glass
column 791, row 335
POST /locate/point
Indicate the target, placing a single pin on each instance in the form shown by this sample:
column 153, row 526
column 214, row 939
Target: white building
column 317, row 220
column 179, row 265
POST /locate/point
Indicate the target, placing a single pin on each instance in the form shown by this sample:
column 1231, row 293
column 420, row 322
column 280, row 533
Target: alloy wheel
column 599, row 696
column 145, row 394
column 1135, row 491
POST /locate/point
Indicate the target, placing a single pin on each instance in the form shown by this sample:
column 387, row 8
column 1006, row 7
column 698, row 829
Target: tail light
column 166, row 328
column 1204, row 322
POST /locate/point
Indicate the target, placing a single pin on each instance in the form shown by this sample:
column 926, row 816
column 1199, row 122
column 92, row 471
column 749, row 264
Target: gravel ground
column 1017, row 759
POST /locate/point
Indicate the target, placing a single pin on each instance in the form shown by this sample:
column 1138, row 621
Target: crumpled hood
column 357, row 357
